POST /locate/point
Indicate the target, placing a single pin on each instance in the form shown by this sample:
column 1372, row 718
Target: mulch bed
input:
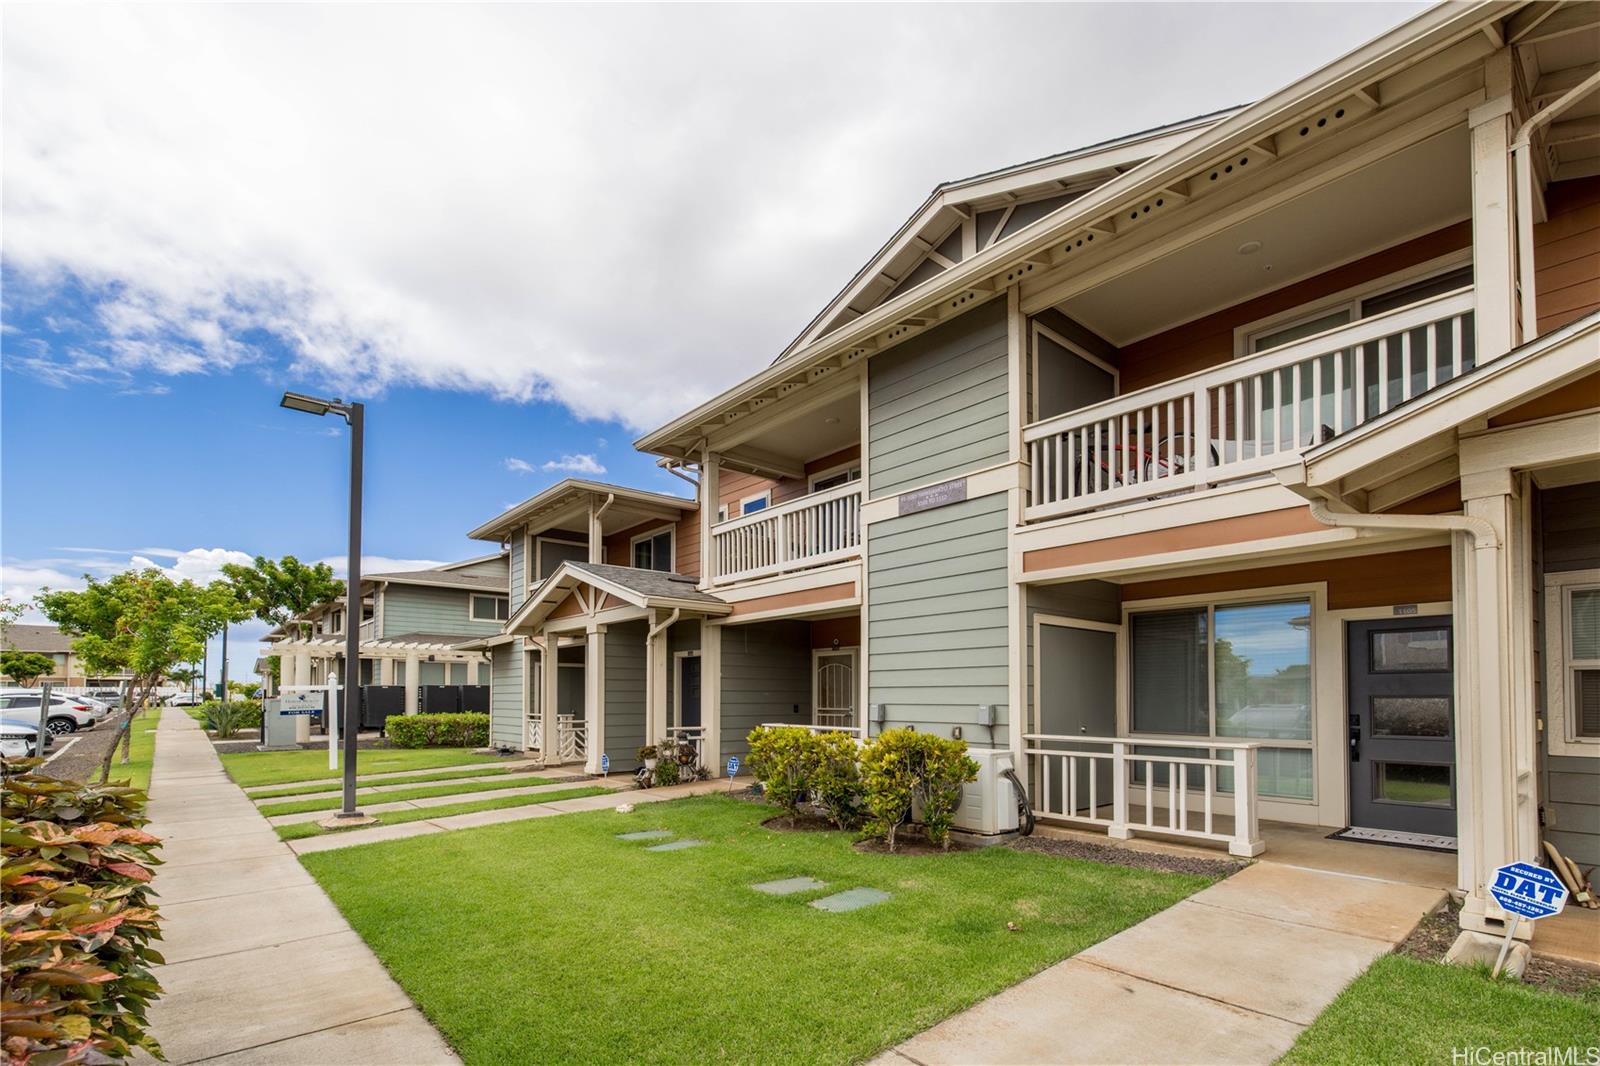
column 1139, row 860
column 82, row 761
column 805, row 823
column 1431, row 939
column 913, row 843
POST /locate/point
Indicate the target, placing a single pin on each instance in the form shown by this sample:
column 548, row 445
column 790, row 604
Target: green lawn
column 141, row 754
column 1403, row 1010
column 282, row 767
column 305, row 787
column 301, row 830
column 396, row 795
column 561, row 943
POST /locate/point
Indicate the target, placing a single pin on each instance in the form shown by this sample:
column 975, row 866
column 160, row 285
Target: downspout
column 1484, row 537
column 599, row 513
column 671, row 467
column 1521, row 148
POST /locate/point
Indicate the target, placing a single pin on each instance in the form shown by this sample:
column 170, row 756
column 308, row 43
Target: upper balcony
column 1242, row 418
column 818, row 528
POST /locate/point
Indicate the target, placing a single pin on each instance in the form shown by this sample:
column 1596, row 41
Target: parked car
column 97, row 707
column 17, row 737
column 185, row 699
column 65, row 714
column 111, row 697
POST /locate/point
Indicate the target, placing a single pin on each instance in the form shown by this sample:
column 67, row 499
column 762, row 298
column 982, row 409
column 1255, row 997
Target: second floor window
column 653, row 551
column 490, row 608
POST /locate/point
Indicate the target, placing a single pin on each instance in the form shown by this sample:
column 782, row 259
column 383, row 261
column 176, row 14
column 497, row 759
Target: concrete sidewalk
column 261, row 967
column 1232, row 974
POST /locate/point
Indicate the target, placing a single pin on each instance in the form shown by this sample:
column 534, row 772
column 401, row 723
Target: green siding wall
column 766, row 677
column 624, row 684
column 936, row 618
column 1569, row 528
column 936, row 406
column 505, row 694
column 519, row 572
column 418, row 609
column 495, row 568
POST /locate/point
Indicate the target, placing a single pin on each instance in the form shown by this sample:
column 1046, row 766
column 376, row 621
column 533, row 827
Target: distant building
column 49, row 640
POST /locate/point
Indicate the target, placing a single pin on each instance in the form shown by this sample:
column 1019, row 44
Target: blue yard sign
column 733, row 765
column 1525, row 891
column 605, row 763
column 1528, row 891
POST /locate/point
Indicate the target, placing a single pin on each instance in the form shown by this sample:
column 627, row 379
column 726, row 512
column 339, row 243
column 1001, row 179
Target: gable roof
column 568, row 493
column 442, row 577
column 637, row 588
column 47, row 639
column 1340, row 83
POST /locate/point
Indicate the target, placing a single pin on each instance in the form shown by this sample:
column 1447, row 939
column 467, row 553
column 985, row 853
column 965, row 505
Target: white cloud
column 378, row 564
column 582, row 463
column 23, row 579
column 619, row 208
column 519, row 466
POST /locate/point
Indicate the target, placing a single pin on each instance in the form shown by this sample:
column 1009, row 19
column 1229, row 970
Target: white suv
column 66, row 715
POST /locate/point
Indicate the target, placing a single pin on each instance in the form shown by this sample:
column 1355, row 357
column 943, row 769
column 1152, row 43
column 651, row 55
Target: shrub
column 889, row 779
column 946, row 766
column 783, row 758
column 666, row 772
column 836, row 783
column 78, row 921
column 469, row 730
column 226, row 718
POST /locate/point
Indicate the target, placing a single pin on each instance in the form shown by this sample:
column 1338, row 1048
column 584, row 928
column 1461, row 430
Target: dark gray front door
column 689, row 686
column 1077, row 697
column 1402, row 725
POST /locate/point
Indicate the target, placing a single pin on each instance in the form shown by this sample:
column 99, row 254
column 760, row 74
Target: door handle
column 1355, row 738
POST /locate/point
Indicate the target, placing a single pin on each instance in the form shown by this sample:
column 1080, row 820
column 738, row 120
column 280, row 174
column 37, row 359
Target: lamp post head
column 315, row 405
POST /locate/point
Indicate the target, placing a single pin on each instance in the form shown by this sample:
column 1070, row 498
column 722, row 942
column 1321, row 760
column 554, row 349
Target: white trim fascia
column 1561, row 738
column 795, row 581
column 1429, row 32
column 509, row 520
column 1239, row 500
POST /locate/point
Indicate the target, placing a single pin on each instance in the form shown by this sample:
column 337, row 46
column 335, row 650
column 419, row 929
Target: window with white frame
column 1572, row 609
column 832, row 479
column 653, row 550
column 1229, row 671
column 1382, row 297
column 490, row 608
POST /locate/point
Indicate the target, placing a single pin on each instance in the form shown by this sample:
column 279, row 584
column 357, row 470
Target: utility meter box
column 989, row 804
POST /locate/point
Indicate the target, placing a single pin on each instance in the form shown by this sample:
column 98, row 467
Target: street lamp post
column 354, row 414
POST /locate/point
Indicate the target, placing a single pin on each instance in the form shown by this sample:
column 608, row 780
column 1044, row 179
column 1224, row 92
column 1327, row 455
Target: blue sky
column 519, row 232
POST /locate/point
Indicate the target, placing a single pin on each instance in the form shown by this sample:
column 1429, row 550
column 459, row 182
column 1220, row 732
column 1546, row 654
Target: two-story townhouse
column 1242, row 469
column 413, row 626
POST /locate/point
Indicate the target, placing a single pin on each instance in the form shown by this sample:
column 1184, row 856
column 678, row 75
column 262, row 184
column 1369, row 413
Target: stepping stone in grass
column 676, row 845
column 789, row 886
column 852, row 899
column 645, row 834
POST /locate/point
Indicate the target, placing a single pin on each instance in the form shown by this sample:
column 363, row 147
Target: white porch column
column 710, row 492
column 549, row 699
column 597, row 536
column 655, row 697
column 1493, row 242
column 711, row 694
column 1497, row 819
column 594, row 696
column 413, row 669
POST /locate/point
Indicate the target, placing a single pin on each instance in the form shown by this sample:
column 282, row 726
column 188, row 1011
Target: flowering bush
column 78, row 922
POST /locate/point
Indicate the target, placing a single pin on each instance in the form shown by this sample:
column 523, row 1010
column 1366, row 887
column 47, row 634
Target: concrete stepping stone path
column 645, row 834
column 789, row 886
column 676, row 845
column 851, row 899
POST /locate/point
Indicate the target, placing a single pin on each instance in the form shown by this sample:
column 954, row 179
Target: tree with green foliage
column 245, row 690
column 25, row 667
column 143, row 623
column 278, row 591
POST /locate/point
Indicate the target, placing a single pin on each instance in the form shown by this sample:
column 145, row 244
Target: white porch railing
column 823, row 527
column 1095, row 780
column 572, row 738
column 854, row 731
column 690, row 734
column 1243, row 417
column 533, row 732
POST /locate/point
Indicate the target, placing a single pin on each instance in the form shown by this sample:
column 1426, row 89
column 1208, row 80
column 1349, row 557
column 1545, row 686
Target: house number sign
column 940, row 495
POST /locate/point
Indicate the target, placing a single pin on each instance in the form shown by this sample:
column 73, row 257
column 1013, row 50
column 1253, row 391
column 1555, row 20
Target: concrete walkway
column 1232, row 974
column 261, row 967
column 349, row 838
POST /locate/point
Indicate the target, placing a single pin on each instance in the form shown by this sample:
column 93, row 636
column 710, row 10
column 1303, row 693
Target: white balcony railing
column 1244, row 417
column 820, row 528
column 1097, row 781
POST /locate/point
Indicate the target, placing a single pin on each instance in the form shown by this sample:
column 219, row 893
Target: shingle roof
column 45, row 639
column 655, row 584
column 441, row 577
